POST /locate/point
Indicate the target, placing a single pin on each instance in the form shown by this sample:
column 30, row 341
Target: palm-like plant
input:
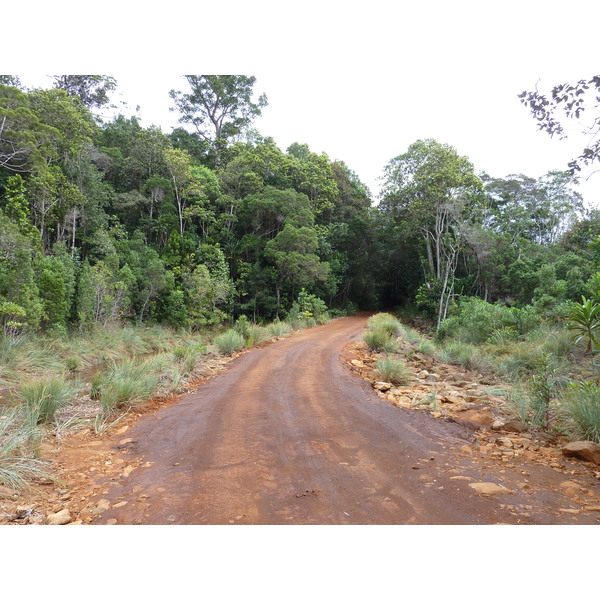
column 584, row 318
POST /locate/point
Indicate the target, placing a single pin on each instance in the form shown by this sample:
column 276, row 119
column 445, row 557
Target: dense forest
column 107, row 221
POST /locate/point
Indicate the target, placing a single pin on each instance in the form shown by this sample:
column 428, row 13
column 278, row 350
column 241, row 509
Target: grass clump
column 125, row 383
column 392, row 369
column 580, row 408
column 385, row 322
column 42, row 398
column 229, row 342
column 257, row 335
column 279, row 329
column 379, row 340
column 187, row 356
column 18, row 450
column 465, row 355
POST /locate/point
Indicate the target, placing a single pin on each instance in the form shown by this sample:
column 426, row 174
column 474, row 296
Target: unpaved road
column 288, row 435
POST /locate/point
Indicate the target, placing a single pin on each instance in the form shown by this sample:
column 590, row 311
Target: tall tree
column 219, row 107
column 92, row 90
column 430, row 187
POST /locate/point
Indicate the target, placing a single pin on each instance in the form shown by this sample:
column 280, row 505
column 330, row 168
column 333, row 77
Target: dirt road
column 288, row 435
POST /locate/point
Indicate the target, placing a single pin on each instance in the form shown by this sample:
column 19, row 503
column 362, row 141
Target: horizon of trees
column 106, row 221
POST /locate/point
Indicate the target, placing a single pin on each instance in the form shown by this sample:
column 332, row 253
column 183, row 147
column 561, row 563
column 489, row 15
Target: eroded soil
column 295, row 433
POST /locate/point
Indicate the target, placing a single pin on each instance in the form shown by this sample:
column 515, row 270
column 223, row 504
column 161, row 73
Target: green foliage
column 12, row 318
column 385, row 322
column 466, row 355
column 278, row 328
column 19, row 441
column 544, row 385
column 126, row 382
column 580, row 406
column 392, row 369
column 476, row 321
column 379, row 340
column 229, row 342
column 308, row 307
column 584, row 319
column 43, row 397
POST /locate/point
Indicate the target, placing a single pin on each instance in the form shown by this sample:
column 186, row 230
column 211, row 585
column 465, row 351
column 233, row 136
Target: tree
column 219, row 107
column 92, row 90
column 178, row 164
column 293, row 251
column 540, row 210
column 572, row 100
column 25, row 140
column 430, row 188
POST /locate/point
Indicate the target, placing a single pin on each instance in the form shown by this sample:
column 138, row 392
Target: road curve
column 289, row 436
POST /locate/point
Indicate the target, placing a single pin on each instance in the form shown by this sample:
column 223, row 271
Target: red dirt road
column 288, row 435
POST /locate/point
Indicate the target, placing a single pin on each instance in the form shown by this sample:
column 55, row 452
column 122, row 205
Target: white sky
column 358, row 81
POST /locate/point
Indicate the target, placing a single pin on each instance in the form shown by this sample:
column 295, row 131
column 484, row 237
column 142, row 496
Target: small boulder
column 505, row 442
column 489, row 488
column 382, row 386
column 515, row 426
column 62, row 517
column 497, row 425
column 589, row 451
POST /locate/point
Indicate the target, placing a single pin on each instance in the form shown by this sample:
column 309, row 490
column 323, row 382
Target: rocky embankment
column 480, row 403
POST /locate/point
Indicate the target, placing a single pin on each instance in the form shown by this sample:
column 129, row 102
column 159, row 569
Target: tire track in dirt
column 289, row 436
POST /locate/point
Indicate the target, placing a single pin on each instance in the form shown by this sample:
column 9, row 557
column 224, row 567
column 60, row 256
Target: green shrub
column 187, row 355
column 278, row 328
column 393, row 370
column 257, row 335
column 524, row 407
column 580, row 405
column 385, row 322
column 427, row 347
column 43, row 397
column 380, row 341
column 476, row 320
column 558, row 342
column 126, row 382
column 519, row 360
column 307, row 310
column 242, row 326
column 19, row 441
column 466, row 355
column 229, row 342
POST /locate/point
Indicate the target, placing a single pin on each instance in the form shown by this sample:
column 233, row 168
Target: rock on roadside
column 589, row 451
column 62, row 517
column 489, row 488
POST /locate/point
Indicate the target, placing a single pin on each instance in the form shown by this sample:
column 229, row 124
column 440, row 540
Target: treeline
column 107, row 221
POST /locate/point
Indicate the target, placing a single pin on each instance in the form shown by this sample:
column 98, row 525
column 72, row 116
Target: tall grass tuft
column 279, row 328
column 229, row 342
column 580, row 405
column 393, row 370
column 126, row 382
column 42, row 398
column 257, row 335
column 466, row 355
column 187, row 356
column 18, row 446
column 379, row 340
column 385, row 322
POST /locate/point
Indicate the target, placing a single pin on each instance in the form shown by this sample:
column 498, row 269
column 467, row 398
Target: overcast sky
column 361, row 81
